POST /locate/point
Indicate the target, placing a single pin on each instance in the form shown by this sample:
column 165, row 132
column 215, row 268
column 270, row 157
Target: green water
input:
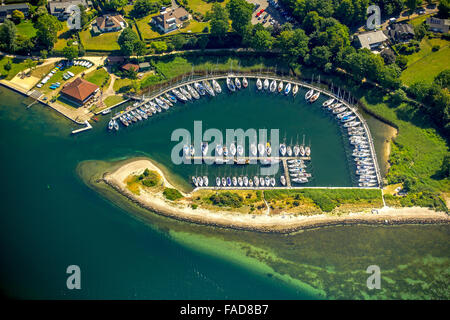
column 51, row 219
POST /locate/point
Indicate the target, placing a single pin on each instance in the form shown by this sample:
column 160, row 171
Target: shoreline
column 260, row 223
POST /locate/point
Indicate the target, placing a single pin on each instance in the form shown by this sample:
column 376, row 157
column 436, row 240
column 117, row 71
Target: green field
column 112, row 100
column 26, row 29
column 418, row 149
column 99, row 77
column 17, row 65
column 104, row 41
column 426, row 64
column 202, row 6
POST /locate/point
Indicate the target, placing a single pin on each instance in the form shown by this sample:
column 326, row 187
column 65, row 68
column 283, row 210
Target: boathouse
column 79, row 91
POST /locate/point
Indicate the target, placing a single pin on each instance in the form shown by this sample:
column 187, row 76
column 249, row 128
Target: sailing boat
column 244, row 82
column 259, row 84
column 309, row 94
column 266, row 84
column 295, row 90
column 287, row 89
column 238, row 83
column 230, row 85
column 273, row 86
column 216, row 86
column 280, row 86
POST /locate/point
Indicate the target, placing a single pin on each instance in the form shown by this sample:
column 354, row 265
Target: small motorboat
column 218, row 181
column 240, row 181
column 205, row 181
column 283, row 180
column 256, row 181
column 289, row 151
column 282, row 149
column 261, row 181
column 245, row 181
column 224, row 181
column 328, row 102
column 234, row 180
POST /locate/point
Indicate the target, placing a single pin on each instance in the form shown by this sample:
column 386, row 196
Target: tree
column 444, row 9
column 179, row 41
column 8, row 65
column 130, row 43
column 142, row 8
column 70, row 52
column 159, row 46
column 412, row 5
column 445, row 168
column 17, row 16
column 43, row 54
column 240, row 15
column 345, row 13
column 319, row 56
column 311, row 23
column 443, row 79
column 116, row 5
column 397, row 97
column 402, row 61
column 8, row 33
column 294, row 44
column 203, row 41
column 219, row 21
column 47, row 30
column 262, row 40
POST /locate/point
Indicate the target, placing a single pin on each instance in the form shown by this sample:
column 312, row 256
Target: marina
column 354, row 125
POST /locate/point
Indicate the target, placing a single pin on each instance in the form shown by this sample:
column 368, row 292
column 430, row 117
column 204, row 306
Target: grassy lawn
column 426, row 64
column 63, row 36
column 99, row 77
column 418, row 149
column 119, row 83
column 202, row 6
column 179, row 65
column 104, row 41
column 418, row 20
column 17, row 65
column 26, row 29
column 42, row 71
column 112, row 100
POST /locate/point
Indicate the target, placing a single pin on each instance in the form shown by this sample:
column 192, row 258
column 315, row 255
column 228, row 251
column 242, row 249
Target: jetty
column 87, row 127
column 286, row 173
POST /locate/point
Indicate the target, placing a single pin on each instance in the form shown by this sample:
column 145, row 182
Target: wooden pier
column 87, row 127
column 286, row 173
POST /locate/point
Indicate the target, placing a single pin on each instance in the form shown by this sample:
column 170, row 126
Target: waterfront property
column 373, row 40
column 79, row 91
column 171, row 19
column 108, row 23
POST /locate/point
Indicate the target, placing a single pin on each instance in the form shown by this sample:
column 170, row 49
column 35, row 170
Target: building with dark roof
column 171, row 19
column 400, row 32
column 7, row 10
column 79, row 91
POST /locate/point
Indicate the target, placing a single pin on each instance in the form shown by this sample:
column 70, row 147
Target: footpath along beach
column 279, row 223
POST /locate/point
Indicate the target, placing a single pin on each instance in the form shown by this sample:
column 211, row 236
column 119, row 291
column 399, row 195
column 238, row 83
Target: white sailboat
column 259, row 84
column 266, row 84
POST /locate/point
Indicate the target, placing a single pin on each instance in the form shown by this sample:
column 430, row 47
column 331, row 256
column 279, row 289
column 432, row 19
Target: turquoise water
column 51, row 219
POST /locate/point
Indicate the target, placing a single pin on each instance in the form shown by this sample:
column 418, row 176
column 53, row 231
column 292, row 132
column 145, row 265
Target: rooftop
column 370, row 38
column 79, row 89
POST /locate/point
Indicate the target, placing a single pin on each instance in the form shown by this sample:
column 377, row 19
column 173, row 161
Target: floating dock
column 87, row 127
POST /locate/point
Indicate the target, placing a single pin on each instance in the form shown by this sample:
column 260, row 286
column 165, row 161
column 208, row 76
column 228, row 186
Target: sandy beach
column 282, row 223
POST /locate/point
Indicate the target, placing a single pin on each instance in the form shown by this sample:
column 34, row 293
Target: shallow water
column 52, row 219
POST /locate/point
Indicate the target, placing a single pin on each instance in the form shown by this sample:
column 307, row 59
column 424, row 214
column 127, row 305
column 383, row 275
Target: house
column 7, row 10
column 171, row 19
column 438, row 25
column 60, row 8
column 109, row 23
column 372, row 40
column 79, row 91
column 130, row 66
column 400, row 32
column 115, row 60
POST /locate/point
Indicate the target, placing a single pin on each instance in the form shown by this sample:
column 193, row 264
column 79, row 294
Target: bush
column 435, row 48
column 172, row 194
column 149, row 178
column 227, row 199
column 402, row 62
column 194, row 206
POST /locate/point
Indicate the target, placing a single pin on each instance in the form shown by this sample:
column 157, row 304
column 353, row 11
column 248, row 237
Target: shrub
column 435, row 48
column 194, row 206
column 149, row 178
column 172, row 194
column 227, row 199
